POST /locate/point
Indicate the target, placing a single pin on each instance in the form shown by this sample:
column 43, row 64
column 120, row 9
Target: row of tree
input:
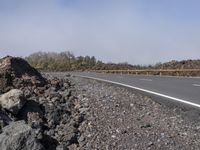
column 64, row 61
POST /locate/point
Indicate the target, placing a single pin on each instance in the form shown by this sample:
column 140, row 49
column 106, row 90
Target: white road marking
column 196, row 85
column 146, row 79
column 144, row 90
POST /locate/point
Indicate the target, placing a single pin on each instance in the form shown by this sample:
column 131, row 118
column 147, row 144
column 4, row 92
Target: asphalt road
column 181, row 89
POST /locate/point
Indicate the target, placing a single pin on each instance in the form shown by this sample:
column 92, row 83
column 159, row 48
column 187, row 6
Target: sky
column 133, row 31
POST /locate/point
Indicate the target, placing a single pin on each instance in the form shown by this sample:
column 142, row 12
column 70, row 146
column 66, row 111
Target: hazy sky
column 134, row 31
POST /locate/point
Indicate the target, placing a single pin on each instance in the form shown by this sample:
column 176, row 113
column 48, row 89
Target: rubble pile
column 35, row 112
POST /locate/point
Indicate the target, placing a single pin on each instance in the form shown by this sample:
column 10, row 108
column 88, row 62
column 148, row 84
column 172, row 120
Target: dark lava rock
column 16, row 72
column 30, row 107
column 46, row 104
column 5, row 119
column 61, row 147
column 19, row 136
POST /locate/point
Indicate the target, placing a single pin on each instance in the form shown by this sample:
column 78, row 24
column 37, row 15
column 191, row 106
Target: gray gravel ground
column 120, row 118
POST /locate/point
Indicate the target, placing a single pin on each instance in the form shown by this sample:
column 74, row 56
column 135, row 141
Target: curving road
column 180, row 89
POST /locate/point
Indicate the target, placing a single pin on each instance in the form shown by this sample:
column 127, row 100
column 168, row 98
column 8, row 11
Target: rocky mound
column 36, row 112
column 16, row 73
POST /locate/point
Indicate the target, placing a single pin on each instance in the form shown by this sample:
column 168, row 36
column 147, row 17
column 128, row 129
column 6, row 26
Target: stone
column 146, row 125
column 31, row 106
column 34, row 119
column 16, row 72
column 150, row 144
column 19, row 136
column 83, row 110
column 4, row 119
column 13, row 100
column 61, row 147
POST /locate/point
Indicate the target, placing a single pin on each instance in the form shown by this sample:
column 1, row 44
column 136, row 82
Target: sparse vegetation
column 64, row 61
column 67, row 61
column 184, row 64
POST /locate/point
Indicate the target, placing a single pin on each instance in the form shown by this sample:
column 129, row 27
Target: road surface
column 180, row 89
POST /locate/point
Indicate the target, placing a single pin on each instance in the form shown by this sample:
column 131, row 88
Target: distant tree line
column 66, row 61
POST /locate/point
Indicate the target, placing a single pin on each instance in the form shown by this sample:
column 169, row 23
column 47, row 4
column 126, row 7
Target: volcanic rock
column 13, row 100
column 19, row 136
column 4, row 119
column 45, row 104
column 16, row 72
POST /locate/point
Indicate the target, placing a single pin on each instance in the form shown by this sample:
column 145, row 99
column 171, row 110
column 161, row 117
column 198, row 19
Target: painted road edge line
column 143, row 90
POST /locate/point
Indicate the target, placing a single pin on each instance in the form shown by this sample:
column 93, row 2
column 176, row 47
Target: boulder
column 12, row 101
column 19, row 136
column 16, row 72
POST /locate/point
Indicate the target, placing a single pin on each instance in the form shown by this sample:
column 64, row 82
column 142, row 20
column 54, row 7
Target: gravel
column 121, row 118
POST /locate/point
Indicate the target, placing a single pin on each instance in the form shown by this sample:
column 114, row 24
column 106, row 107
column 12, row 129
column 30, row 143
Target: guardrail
column 175, row 72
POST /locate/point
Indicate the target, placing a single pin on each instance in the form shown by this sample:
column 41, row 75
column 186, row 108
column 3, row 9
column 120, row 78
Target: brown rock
column 16, row 72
